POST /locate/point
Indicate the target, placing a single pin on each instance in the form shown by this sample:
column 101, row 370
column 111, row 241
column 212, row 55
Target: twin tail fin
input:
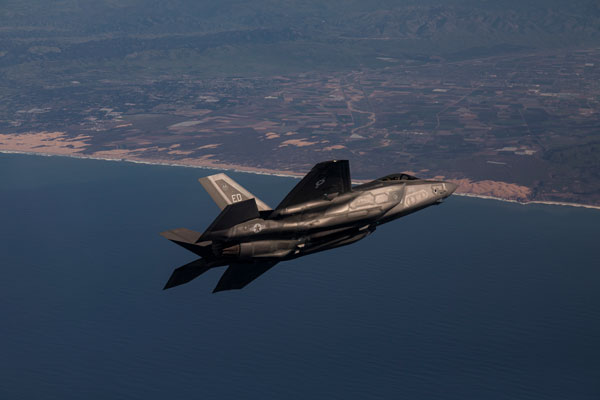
column 225, row 191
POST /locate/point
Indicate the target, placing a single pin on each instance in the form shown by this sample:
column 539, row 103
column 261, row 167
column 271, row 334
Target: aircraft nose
column 451, row 187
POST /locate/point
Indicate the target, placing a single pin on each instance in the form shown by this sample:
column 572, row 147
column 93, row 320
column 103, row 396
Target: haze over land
column 504, row 95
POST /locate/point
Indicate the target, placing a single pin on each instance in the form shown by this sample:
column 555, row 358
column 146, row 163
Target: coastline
column 263, row 171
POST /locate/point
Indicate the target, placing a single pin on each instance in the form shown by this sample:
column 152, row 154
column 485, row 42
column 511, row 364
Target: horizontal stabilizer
column 325, row 178
column 234, row 214
column 239, row 275
column 181, row 235
column 188, row 239
column 187, row 272
column 225, row 191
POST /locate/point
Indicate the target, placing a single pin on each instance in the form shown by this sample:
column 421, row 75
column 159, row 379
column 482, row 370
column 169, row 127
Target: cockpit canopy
column 398, row 177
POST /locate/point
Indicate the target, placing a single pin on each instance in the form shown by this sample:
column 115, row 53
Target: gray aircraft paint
column 322, row 212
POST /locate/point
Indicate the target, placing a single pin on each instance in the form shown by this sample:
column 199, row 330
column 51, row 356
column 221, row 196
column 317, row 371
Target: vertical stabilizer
column 225, row 191
column 232, row 215
column 325, row 178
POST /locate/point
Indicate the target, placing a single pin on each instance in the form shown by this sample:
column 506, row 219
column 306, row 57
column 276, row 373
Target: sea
column 471, row 299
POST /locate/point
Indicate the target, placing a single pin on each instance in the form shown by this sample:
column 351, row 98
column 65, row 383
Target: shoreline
column 283, row 174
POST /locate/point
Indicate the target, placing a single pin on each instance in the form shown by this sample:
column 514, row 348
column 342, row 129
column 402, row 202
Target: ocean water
column 472, row 299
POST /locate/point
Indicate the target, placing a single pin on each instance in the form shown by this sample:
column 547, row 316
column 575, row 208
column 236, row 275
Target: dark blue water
column 473, row 299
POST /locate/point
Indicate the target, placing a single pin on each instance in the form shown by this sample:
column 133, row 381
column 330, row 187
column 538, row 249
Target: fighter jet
column 323, row 211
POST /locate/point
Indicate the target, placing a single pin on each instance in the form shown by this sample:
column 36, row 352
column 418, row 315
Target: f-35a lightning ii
column 322, row 212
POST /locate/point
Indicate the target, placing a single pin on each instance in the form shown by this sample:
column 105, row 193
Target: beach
column 59, row 144
column 209, row 165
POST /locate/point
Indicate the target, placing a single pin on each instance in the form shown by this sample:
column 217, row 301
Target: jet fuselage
column 326, row 223
column 322, row 212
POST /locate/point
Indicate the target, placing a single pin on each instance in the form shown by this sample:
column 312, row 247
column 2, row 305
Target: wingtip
column 182, row 235
column 220, row 289
column 169, row 284
column 170, row 235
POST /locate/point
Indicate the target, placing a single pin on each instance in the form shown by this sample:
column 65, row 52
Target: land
column 515, row 117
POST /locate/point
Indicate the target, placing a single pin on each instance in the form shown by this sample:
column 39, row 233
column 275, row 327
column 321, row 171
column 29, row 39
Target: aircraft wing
column 324, row 178
column 239, row 275
column 187, row 273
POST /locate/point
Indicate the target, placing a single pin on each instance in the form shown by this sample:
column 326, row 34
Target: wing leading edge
column 187, row 273
column 239, row 275
column 236, row 276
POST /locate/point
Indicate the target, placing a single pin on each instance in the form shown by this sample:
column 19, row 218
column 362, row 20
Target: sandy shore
column 262, row 171
column 58, row 144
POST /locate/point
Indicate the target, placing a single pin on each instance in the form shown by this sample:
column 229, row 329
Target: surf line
column 283, row 174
